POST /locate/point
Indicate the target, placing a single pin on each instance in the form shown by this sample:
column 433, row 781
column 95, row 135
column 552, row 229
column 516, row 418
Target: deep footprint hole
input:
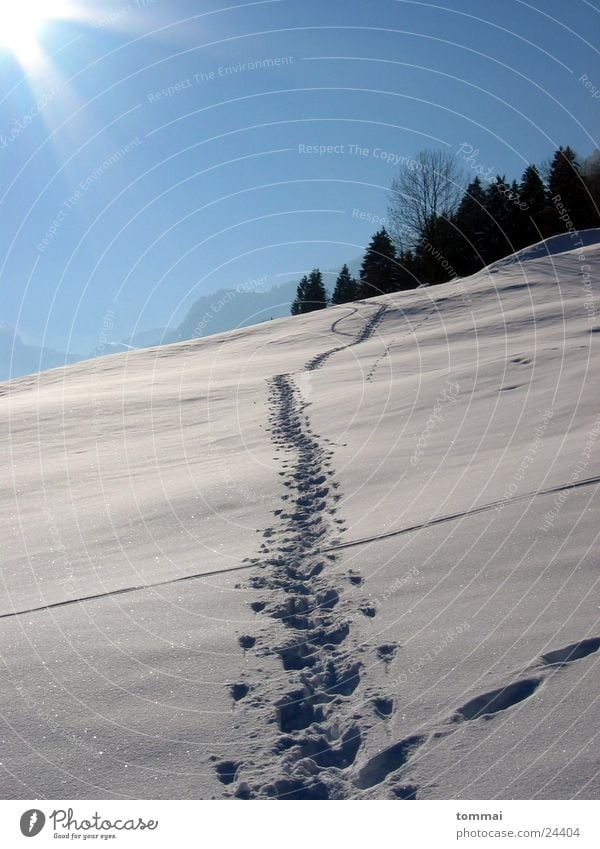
column 383, row 706
column 227, row 771
column 239, row 691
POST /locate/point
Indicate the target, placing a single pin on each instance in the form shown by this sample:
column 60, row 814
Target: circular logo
column 32, row 822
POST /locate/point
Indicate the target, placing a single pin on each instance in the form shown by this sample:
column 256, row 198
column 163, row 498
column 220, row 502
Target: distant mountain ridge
column 226, row 309
column 18, row 359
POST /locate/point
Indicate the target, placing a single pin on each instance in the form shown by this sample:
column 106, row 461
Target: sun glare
column 21, row 24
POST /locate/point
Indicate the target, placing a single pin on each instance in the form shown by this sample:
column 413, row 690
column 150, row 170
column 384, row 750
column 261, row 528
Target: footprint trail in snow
column 319, row 737
column 319, row 750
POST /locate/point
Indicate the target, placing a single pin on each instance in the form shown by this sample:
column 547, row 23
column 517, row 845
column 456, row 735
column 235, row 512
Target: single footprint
column 497, row 700
column 386, row 652
column 574, row 651
column 239, row 691
column 405, row 791
column 390, row 759
column 384, row 707
column 227, row 771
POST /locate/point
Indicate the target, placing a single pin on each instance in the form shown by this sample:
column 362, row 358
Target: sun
column 21, row 23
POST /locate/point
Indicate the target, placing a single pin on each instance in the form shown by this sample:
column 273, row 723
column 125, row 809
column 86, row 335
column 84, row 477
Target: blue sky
column 163, row 149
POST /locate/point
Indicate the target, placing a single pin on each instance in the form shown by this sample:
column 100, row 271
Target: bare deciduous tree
column 426, row 188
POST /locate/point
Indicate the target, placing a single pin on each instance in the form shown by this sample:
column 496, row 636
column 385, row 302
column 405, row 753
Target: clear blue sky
column 119, row 197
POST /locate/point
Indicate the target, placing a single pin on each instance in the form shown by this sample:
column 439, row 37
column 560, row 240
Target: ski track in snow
column 351, row 543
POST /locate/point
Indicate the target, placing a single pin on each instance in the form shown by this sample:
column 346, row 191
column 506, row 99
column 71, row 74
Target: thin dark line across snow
column 438, row 520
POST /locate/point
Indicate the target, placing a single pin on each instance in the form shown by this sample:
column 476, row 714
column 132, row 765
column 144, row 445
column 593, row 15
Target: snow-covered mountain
column 348, row 554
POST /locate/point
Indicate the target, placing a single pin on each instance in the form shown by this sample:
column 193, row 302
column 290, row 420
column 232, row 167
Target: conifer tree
column 568, row 193
column 591, row 174
column 310, row 294
column 407, row 273
column 471, row 223
column 299, row 302
column 379, row 268
column 345, row 287
column 500, row 209
column 533, row 214
column 434, row 254
column 316, row 294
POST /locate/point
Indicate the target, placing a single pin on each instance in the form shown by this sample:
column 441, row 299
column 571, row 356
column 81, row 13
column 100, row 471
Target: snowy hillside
column 345, row 555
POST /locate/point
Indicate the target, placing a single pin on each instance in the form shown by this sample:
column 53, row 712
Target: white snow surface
column 345, row 555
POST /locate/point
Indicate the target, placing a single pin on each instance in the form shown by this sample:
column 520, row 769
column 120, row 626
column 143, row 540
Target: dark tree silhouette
column 407, row 272
column 471, row 223
column 425, row 190
column 568, row 192
column 433, row 255
column 534, row 214
column 443, row 231
column 378, row 272
column 591, row 174
column 500, row 210
column 310, row 294
column 346, row 287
